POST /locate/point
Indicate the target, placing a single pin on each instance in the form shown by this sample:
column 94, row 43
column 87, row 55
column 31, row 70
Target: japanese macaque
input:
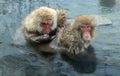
column 76, row 38
column 40, row 25
column 74, row 44
column 86, row 26
column 61, row 20
column 39, row 28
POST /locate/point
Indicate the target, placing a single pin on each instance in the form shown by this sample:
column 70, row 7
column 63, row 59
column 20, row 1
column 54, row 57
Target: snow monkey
column 39, row 28
column 76, row 38
column 86, row 26
column 40, row 25
column 61, row 20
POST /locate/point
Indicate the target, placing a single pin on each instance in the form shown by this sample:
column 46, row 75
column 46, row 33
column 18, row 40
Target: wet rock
column 102, row 20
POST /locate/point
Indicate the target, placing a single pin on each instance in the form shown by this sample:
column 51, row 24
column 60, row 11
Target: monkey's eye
column 82, row 26
column 43, row 23
column 88, row 27
column 85, row 27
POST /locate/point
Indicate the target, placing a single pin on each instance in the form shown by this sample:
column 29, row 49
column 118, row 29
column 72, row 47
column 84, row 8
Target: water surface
column 106, row 42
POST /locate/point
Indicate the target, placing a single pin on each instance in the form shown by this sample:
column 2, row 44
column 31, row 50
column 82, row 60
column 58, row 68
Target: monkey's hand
column 40, row 39
column 46, row 36
column 52, row 37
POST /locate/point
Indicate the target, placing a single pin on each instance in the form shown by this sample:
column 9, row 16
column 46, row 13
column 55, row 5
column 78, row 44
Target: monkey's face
column 86, row 32
column 46, row 24
column 85, row 25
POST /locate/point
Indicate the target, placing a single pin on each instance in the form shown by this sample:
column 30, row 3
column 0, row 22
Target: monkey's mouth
column 87, row 38
column 45, row 30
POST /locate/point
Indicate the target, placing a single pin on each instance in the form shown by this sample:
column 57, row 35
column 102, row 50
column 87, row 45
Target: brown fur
column 33, row 31
column 60, row 14
column 32, row 21
column 70, row 37
column 84, row 19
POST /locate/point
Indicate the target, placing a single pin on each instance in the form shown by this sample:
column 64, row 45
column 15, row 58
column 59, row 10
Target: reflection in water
column 83, row 63
column 42, row 49
column 107, row 5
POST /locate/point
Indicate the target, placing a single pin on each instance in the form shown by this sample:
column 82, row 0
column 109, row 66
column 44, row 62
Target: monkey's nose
column 86, row 36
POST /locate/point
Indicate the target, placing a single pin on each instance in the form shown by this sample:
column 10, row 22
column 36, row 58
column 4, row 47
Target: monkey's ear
column 54, row 45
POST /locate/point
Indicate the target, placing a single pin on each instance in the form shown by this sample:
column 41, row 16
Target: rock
column 102, row 20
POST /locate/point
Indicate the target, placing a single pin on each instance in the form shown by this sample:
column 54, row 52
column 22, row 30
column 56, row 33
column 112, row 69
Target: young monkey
column 61, row 20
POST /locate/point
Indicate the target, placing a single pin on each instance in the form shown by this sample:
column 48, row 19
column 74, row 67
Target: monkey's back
column 69, row 38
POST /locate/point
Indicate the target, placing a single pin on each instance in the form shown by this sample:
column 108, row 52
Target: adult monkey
column 40, row 25
column 74, row 43
column 76, row 37
column 39, row 28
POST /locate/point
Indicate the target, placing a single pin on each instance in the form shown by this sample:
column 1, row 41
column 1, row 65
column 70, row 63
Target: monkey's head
column 86, row 27
column 61, row 20
column 43, row 20
column 47, row 19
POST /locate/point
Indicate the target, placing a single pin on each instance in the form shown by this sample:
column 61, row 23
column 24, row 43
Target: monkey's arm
column 37, row 38
column 69, row 47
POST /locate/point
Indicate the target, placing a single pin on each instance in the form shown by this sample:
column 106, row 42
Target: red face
column 45, row 27
column 86, row 29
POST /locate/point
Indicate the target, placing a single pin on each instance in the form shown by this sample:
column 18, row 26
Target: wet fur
column 60, row 14
column 84, row 19
column 70, row 38
column 32, row 21
column 32, row 30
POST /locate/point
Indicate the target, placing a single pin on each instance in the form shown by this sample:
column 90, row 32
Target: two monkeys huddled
column 47, row 25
